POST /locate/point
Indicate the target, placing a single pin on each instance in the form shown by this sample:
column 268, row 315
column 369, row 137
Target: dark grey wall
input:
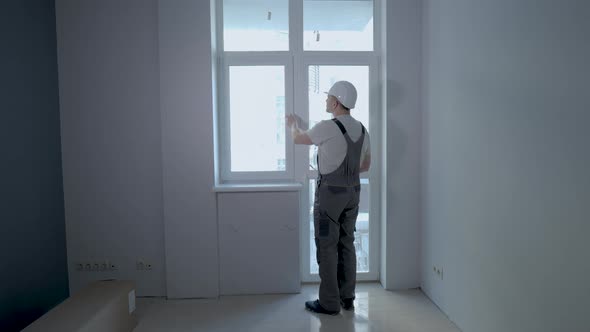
column 33, row 276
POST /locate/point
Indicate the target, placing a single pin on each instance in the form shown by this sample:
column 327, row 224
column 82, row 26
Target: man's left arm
column 366, row 157
column 366, row 164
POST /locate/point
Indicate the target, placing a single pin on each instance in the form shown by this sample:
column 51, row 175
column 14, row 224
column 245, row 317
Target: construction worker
column 343, row 153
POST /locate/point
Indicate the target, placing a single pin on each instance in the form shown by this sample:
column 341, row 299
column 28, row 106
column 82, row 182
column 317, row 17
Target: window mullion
column 296, row 27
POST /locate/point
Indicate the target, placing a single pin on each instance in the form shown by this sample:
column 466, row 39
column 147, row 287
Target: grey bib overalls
column 335, row 211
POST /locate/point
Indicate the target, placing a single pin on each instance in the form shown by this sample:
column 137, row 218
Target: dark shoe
column 317, row 308
column 347, row 304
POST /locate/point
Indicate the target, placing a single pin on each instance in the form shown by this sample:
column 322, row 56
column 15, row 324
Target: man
column 343, row 153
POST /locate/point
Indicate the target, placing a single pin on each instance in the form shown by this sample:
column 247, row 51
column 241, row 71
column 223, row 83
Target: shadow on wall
column 33, row 276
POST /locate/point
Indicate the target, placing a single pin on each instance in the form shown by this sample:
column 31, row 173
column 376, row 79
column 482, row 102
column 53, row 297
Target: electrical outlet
column 87, row 267
column 112, row 266
column 143, row 265
column 104, row 266
column 438, row 271
column 79, row 267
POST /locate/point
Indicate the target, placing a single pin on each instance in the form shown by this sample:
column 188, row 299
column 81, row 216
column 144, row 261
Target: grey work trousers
column 335, row 213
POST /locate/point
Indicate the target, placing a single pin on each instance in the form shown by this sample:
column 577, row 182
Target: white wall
column 507, row 163
column 259, row 242
column 402, row 149
column 137, row 133
column 190, row 215
column 110, row 131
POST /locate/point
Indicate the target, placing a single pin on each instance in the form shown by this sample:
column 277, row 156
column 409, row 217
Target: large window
column 278, row 57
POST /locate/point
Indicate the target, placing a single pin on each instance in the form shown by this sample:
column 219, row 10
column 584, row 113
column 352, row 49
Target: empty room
column 295, row 165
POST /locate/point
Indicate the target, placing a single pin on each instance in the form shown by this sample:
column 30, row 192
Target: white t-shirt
column 331, row 143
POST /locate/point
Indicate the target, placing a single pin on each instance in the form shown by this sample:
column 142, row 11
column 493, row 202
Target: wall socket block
column 107, row 266
column 95, row 266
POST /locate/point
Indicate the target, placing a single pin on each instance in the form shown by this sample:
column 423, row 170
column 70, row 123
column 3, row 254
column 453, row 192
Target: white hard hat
column 345, row 92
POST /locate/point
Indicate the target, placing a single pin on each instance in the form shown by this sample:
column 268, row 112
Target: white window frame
column 296, row 61
column 253, row 59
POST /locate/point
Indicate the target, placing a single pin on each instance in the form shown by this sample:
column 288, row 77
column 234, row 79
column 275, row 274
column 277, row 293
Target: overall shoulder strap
column 340, row 125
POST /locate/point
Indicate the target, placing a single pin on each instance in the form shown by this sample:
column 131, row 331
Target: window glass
column 257, row 118
column 343, row 25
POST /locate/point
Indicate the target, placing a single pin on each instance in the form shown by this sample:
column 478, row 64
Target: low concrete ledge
column 102, row 306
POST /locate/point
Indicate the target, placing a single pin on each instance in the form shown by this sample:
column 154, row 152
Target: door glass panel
column 361, row 235
column 320, row 79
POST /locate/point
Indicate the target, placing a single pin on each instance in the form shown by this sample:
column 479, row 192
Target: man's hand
column 291, row 120
column 299, row 137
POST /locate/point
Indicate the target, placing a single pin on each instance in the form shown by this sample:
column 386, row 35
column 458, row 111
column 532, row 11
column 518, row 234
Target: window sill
column 267, row 187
